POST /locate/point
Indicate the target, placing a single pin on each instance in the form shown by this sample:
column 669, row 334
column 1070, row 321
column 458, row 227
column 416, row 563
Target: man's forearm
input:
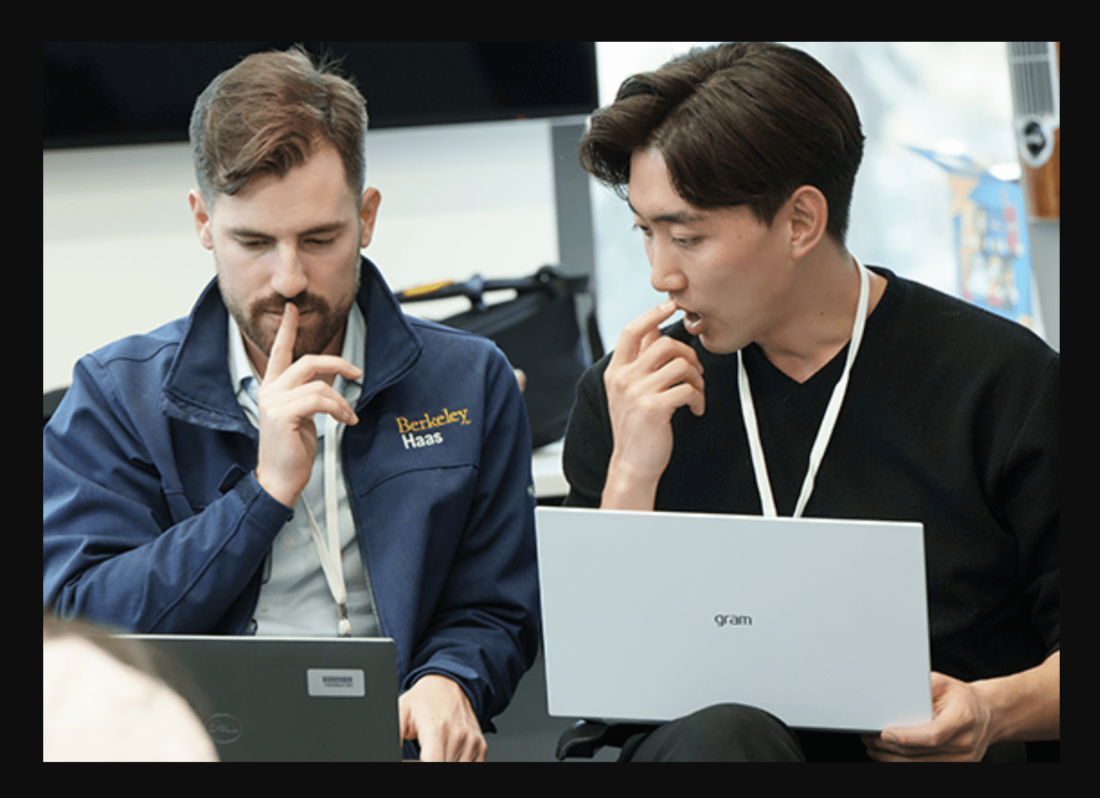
column 1025, row 705
column 626, row 491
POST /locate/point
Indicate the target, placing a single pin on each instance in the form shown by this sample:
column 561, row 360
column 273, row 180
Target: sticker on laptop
column 336, row 682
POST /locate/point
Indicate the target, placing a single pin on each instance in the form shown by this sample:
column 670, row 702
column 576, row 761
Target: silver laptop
column 651, row 616
column 289, row 699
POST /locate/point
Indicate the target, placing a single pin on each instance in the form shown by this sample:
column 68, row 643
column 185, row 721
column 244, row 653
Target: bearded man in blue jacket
column 298, row 457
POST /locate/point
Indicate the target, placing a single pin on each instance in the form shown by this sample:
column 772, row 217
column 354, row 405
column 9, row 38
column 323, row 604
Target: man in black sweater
column 801, row 382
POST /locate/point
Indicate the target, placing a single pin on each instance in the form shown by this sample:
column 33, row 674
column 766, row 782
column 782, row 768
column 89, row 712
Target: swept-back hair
column 737, row 124
column 266, row 115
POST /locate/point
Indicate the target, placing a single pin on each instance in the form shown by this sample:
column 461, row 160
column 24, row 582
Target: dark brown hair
column 266, row 114
column 737, row 124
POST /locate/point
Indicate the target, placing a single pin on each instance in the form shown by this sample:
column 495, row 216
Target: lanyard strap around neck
column 329, row 550
column 817, row 453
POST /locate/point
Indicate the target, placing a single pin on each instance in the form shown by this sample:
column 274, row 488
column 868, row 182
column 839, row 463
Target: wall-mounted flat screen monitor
column 113, row 93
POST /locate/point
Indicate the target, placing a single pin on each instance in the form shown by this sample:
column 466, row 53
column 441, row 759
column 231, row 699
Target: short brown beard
column 308, row 342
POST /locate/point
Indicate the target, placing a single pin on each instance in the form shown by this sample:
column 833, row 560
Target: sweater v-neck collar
column 760, row 367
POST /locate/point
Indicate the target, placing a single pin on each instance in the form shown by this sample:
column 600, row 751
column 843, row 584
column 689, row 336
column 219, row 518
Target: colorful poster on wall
column 991, row 243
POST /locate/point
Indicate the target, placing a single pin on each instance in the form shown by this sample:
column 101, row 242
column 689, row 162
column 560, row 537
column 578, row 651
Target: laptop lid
column 290, row 699
column 649, row 616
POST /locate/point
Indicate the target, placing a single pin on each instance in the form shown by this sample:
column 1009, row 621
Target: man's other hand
column 436, row 713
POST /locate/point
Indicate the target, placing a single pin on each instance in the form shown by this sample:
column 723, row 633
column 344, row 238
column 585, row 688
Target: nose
column 665, row 274
column 289, row 276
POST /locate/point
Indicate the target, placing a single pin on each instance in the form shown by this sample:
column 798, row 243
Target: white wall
column 120, row 256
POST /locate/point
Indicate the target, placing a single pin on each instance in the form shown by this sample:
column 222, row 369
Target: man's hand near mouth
column 650, row 375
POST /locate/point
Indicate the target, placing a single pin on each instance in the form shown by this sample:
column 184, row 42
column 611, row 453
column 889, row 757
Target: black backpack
column 538, row 332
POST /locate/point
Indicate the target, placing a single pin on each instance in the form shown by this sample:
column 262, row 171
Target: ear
column 202, row 218
column 368, row 214
column 809, row 218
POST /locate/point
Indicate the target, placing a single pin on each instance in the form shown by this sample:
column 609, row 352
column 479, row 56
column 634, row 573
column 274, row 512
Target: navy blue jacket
column 153, row 520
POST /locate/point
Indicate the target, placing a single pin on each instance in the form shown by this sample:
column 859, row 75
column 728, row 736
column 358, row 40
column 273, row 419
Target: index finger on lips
column 282, row 350
column 640, row 333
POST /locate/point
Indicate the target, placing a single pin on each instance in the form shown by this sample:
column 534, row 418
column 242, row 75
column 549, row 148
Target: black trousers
column 721, row 733
column 739, row 733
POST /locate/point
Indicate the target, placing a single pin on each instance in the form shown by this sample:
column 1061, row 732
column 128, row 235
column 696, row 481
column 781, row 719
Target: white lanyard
column 329, row 551
column 763, row 485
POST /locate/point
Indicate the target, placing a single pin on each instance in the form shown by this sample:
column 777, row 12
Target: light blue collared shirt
column 295, row 599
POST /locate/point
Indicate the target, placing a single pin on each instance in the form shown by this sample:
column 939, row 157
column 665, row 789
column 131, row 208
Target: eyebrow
column 330, row 227
column 678, row 217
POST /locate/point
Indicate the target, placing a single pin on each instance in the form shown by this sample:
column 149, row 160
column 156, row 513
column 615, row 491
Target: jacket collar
column 198, row 388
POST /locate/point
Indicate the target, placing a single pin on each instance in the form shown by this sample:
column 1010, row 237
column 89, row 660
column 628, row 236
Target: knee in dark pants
column 720, row 733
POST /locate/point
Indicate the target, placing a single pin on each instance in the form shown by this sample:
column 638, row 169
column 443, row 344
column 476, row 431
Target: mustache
column 305, row 303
